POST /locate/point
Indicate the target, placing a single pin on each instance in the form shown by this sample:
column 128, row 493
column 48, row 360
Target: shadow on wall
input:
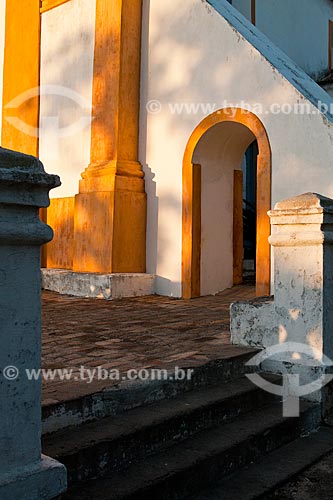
column 66, row 55
column 66, row 109
column 186, row 64
column 65, row 138
column 182, row 61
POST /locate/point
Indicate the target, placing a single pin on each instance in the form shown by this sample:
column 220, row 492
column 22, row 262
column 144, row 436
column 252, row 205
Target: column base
column 96, row 285
column 43, row 481
column 110, row 232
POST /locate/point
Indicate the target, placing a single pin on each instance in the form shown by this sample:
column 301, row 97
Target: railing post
column 301, row 311
column 24, row 473
column 303, row 270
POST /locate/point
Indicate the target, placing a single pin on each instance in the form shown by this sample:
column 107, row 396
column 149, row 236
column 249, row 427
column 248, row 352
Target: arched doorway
column 237, row 129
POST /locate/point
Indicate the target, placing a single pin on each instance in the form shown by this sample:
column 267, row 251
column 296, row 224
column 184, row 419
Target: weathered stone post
column 303, row 270
column 24, row 473
column 301, row 310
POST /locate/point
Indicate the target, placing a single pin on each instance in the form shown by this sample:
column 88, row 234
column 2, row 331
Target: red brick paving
column 135, row 333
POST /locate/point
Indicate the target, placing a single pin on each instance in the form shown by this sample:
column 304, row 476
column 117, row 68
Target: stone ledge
column 42, row 481
column 101, row 286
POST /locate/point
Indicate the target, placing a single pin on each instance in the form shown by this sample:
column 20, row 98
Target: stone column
column 303, row 270
column 301, row 311
column 24, row 473
column 110, row 209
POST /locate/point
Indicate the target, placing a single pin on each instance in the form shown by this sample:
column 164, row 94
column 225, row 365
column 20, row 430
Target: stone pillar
column 303, row 270
column 301, row 310
column 110, row 209
column 24, row 473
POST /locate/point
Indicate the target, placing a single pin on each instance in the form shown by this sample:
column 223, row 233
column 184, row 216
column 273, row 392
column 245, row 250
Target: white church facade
column 146, row 110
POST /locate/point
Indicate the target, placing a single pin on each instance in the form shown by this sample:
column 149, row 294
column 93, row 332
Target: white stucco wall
column 298, row 27
column 2, row 50
column 198, row 57
column 67, row 51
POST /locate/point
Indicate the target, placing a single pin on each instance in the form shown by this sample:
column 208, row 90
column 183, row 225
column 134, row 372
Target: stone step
column 265, row 476
column 98, row 285
column 69, row 411
column 188, row 466
column 112, row 443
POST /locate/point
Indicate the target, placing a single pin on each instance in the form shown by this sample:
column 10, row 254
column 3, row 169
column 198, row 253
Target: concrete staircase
column 230, row 437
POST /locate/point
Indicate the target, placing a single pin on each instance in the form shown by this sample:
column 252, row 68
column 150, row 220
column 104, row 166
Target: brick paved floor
column 143, row 332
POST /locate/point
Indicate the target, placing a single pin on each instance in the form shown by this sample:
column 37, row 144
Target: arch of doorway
column 191, row 201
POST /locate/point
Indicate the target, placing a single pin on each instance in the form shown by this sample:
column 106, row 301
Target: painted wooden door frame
column 191, row 237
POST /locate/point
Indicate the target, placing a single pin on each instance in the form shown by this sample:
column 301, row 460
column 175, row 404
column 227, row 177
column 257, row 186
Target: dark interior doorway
column 250, row 212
